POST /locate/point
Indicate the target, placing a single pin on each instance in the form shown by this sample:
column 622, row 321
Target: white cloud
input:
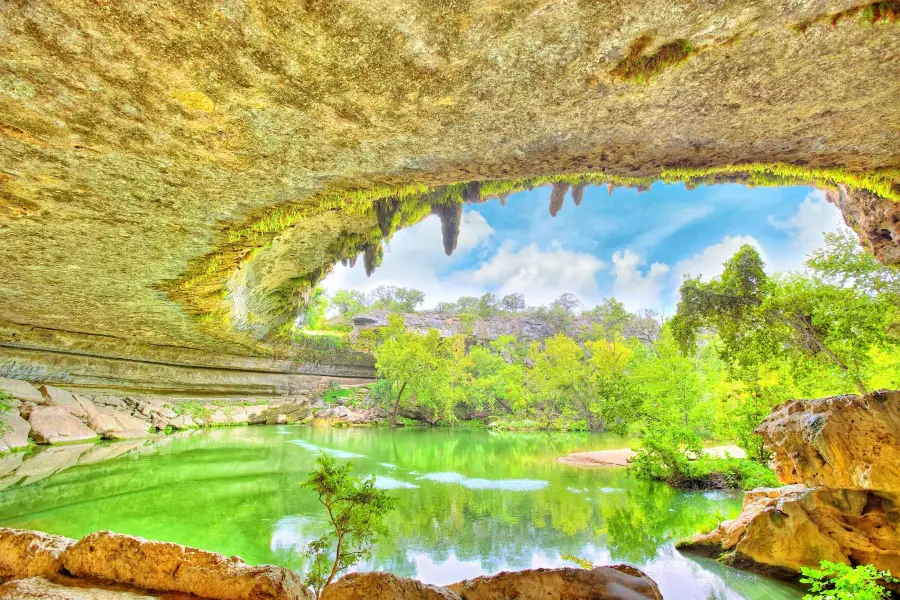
column 542, row 275
column 807, row 227
column 414, row 259
column 637, row 287
column 708, row 262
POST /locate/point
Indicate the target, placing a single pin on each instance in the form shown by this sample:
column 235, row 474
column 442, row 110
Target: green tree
column 356, row 513
column 611, row 316
column 514, row 303
column 316, row 305
column 349, row 302
column 836, row 580
column 555, row 375
column 418, row 366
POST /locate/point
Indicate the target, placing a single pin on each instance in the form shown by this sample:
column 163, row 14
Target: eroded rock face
column 618, row 582
column 384, row 586
column 41, row 588
column 56, row 425
column 876, row 221
column 841, row 442
column 345, row 415
column 25, row 553
column 171, row 567
column 781, row 530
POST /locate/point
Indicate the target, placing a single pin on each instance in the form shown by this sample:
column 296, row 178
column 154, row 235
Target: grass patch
column 638, row 67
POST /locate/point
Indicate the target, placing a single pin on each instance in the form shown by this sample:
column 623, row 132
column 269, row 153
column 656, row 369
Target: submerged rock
column 617, row 582
column 168, row 567
column 384, row 586
column 25, row 553
column 56, row 425
column 842, row 442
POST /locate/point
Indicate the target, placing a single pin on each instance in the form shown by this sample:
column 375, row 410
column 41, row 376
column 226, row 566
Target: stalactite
column 372, row 257
column 344, row 261
column 578, row 193
column 609, row 188
column 503, row 198
column 353, row 258
column 451, row 217
column 385, row 209
column 558, row 197
column 471, row 194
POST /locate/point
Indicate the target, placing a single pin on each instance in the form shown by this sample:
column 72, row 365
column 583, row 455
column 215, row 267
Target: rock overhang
column 142, row 144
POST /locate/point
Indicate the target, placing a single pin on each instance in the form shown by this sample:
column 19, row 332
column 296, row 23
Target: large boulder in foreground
column 40, row 588
column 25, row 553
column 781, row 530
column 617, row 582
column 840, row 442
column 56, row 425
column 168, row 567
column 384, row 586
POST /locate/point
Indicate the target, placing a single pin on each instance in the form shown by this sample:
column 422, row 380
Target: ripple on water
column 510, row 485
column 329, row 451
column 383, row 482
column 388, row 465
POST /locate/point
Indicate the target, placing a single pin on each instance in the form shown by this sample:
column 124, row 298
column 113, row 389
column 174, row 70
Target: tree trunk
column 397, row 405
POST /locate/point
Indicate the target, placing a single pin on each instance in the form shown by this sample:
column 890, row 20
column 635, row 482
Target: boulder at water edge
column 56, row 425
column 850, row 442
column 384, row 586
column 14, row 432
column 168, row 567
column 26, row 553
column 616, row 582
column 21, row 390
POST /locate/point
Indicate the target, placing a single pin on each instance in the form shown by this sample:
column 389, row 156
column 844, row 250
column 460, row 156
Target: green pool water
column 470, row 502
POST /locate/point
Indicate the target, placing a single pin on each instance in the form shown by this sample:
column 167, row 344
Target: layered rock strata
column 110, row 566
column 840, row 458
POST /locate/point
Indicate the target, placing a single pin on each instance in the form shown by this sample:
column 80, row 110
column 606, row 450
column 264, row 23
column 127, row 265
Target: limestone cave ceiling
column 182, row 173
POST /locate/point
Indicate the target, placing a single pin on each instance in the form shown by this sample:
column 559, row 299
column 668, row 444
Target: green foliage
column 356, row 513
column 335, row 393
column 316, row 305
column 836, row 580
column 581, row 562
column 325, row 341
column 6, row 401
column 640, row 67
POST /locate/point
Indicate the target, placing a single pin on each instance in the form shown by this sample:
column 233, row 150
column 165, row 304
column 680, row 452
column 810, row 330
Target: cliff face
column 179, row 174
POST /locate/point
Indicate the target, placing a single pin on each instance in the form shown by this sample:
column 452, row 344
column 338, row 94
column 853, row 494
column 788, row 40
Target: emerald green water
column 471, row 502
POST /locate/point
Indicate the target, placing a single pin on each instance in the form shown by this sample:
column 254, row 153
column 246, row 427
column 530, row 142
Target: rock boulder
column 21, row 390
column 40, row 588
column 384, row 586
column 781, row 530
column 55, row 396
column 168, row 567
column 56, row 425
column 617, row 582
column 850, row 442
column 14, row 432
column 26, row 553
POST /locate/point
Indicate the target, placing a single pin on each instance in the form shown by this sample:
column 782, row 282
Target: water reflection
column 472, row 503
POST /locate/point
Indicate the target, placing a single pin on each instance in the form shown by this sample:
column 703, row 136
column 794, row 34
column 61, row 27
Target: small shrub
column 356, row 514
column 836, row 580
column 6, row 402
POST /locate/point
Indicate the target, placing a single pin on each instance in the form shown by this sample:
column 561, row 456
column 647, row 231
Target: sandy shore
column 622, row 456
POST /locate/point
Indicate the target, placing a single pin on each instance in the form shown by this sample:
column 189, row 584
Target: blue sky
column 634, row 246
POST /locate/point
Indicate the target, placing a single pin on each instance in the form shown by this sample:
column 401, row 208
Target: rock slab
column 55, row 396
column 56, row 425
column 617, row 582
column 21, row 390
column 25, row 553
column 168, row 567
column 14, row 432
column 848, row 442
